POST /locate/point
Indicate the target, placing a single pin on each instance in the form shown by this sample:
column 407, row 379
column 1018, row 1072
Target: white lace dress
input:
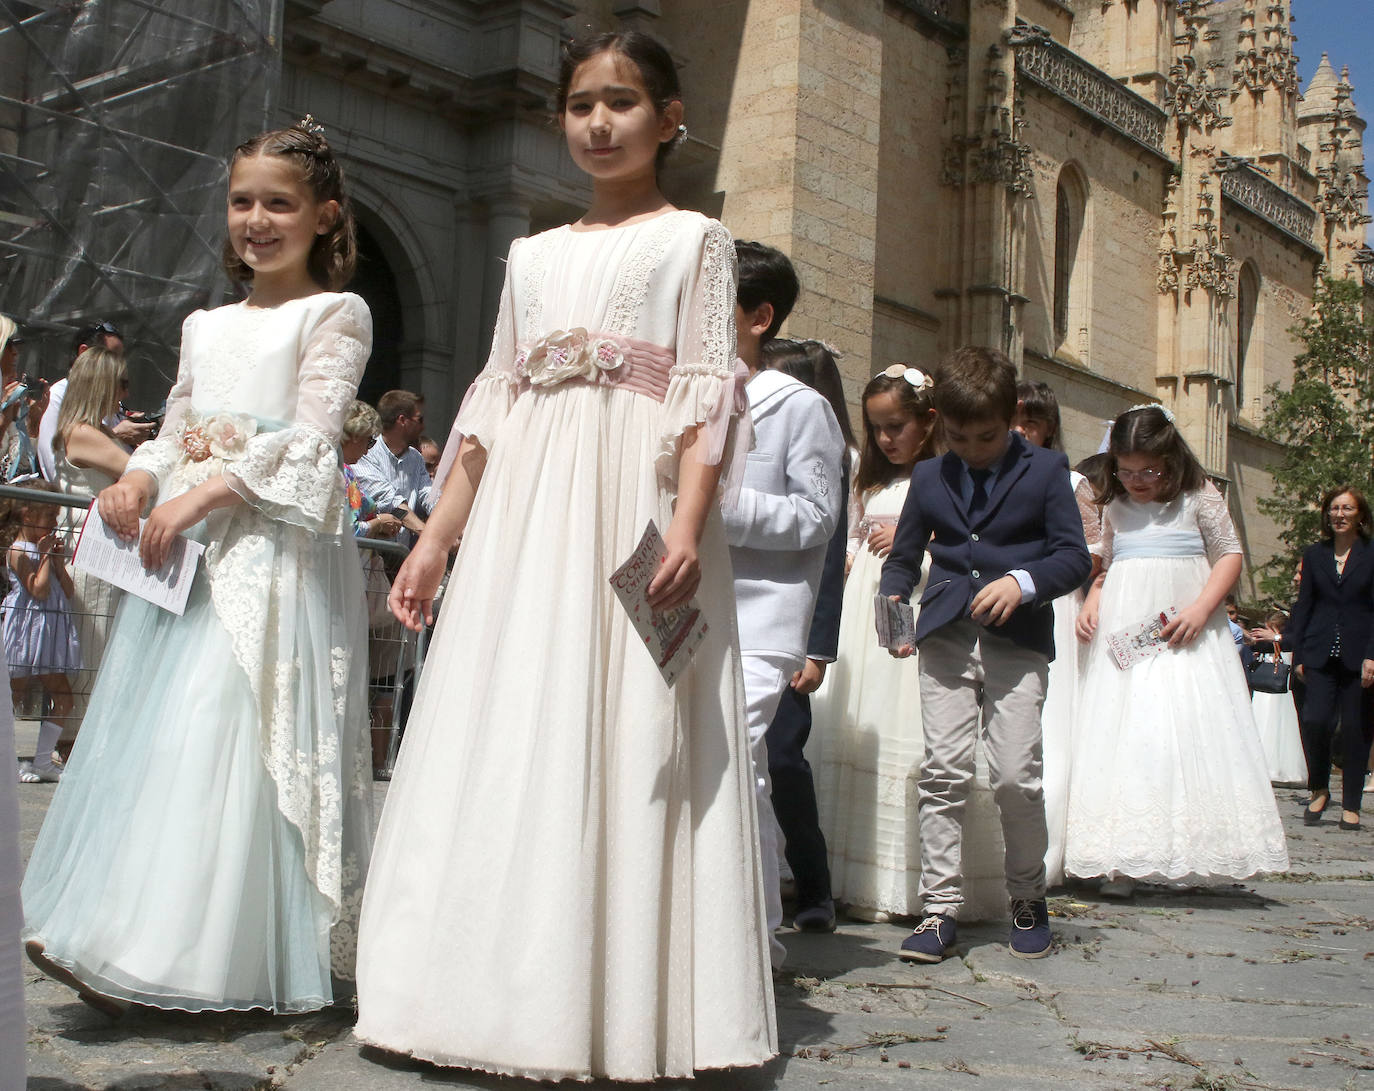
column 207, row 845
column 1276, row 720
column 566, row 878
column 1058, row 713
column 1168, row 780
column 866, row 749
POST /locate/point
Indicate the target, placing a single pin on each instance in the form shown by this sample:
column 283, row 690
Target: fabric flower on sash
column 221, row 435
column 571, row 354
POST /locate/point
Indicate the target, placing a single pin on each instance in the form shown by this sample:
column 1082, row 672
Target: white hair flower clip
column 1168, row 416
column 915, row 376
column 311, row 126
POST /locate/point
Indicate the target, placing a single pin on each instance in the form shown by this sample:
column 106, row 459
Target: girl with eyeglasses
column 1169, row 782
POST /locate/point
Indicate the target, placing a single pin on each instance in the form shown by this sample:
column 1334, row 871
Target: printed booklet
column 672, row 637
column 103, row 554
column 1141, row 641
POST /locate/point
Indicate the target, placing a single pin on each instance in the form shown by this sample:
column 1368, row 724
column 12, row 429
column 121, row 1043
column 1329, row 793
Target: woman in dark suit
column 1332, row 634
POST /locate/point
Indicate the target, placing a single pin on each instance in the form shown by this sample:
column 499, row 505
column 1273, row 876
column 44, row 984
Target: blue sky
column 1345, row 30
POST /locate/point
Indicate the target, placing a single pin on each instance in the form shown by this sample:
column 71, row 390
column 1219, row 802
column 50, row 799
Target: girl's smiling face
column 613, row 128
column 1142, row 475
column 899, row 435
column 274, row 217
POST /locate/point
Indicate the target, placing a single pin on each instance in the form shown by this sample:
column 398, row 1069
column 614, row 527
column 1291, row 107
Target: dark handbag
column 1269, row 675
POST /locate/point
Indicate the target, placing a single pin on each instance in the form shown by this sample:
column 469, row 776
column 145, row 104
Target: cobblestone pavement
column 1267, row 984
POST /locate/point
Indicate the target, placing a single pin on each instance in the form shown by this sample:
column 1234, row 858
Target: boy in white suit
column 790, row 503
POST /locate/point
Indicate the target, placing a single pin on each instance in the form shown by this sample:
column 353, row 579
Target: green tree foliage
column 1326, row 422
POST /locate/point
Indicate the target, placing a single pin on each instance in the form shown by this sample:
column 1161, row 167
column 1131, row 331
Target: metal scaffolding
column 116, row 120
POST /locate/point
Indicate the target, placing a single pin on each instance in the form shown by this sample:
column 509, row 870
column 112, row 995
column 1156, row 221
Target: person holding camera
column 128, row 429
column 22, row 399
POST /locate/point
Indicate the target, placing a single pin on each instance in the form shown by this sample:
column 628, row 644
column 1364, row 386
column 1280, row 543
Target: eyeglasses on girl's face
column 1147, row 475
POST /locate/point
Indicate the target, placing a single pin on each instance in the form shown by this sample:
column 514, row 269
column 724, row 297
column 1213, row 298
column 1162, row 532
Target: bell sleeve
column 158, row 457
column 292, row 474
column 706, row 383
column 489, row 399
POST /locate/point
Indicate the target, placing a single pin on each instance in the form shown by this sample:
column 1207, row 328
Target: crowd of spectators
column 75, row 437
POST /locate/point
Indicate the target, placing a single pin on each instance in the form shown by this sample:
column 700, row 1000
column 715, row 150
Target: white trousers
column 765, row 678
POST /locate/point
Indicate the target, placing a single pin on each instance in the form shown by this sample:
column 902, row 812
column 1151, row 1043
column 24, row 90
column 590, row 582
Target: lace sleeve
column 705, row 389
column 857, row 531
column 490, row 397
column 293, row 474
column 1106, row 535
column 1091, row 515
column 1214, row 521
column 158, row 457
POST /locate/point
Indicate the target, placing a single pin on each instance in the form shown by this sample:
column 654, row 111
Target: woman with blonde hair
column 88, row 458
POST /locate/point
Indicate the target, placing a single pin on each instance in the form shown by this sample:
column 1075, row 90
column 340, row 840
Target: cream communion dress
column 866, row 752
column 206, row 848
column 566, row 879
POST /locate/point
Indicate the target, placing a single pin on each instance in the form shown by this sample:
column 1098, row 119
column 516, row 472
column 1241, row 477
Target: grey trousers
column 968, row 676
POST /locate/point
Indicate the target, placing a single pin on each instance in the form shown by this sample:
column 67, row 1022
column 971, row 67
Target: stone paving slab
column 1261, row 986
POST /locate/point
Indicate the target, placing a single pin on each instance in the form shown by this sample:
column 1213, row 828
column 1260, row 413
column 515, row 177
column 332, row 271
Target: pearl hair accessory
column 311, row 126
column 1168, row 416
column 915, row 376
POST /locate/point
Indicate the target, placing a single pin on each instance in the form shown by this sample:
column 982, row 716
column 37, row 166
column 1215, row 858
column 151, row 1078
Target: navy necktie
column 980, row 490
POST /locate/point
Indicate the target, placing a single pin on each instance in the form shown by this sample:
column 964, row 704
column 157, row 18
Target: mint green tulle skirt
column 165, row 874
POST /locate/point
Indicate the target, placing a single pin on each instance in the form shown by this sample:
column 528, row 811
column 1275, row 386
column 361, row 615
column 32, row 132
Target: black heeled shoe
column 1314, row 818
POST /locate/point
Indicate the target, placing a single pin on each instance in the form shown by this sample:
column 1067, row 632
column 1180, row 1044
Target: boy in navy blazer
column 1004, row 535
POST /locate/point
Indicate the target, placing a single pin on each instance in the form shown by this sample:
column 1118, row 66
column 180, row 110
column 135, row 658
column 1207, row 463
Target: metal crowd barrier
column 395, row 654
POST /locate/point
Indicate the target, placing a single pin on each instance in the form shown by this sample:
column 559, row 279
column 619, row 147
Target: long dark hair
column 1036, row 401
column 1329, row 498
column 657, row 71
column 334, row 254
column 814, row 364
column 875, row 470
column 1148, row 430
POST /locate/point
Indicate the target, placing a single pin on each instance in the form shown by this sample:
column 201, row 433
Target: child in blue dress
column 41, row 642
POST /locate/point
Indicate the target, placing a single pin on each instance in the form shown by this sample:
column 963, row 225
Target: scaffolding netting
column 116, row 118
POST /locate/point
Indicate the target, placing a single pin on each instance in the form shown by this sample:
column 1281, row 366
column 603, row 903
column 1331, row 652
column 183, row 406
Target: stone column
column 799, row 159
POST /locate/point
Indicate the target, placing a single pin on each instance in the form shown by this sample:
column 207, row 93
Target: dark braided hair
column 333, row 254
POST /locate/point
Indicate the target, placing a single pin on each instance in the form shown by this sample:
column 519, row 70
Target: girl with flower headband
column 1168, row 781
column 864, row 759
column 569, row 844
column 206, row 848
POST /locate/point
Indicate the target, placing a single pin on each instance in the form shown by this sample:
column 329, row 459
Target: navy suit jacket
column 1323, row 603
column 1030, row 522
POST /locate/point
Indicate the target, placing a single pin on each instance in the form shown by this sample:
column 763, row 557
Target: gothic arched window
column 1248, row 364
column 1070, row 290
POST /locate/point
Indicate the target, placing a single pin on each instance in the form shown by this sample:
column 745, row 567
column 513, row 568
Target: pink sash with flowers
column 641, row 367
